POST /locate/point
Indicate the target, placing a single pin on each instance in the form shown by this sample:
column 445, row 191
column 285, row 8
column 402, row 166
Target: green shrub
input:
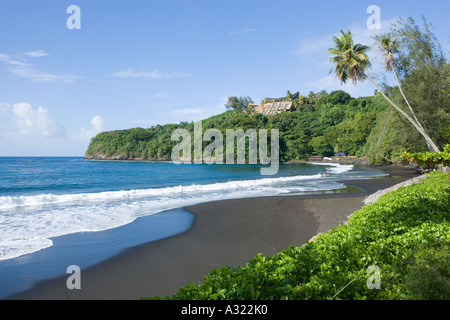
column 430, row 159
column 428, row 276
column 406, row 233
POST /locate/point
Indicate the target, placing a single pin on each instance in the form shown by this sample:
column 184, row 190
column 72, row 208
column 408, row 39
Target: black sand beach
column 227, row 232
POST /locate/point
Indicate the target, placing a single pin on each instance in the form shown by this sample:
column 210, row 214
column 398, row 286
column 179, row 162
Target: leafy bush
column 428, row 274
column 406, row 233
column 430, row 159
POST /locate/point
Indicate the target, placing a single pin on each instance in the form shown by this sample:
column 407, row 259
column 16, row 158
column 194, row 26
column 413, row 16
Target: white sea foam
column 28, row 223
column 46, row 199
column 335, row 168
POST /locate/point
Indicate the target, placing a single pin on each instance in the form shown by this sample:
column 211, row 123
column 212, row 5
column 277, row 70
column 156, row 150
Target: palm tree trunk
column 410, row 108
column 404, row 97
column 419, row 128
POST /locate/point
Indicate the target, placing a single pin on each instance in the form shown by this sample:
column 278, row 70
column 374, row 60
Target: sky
column 67, row 75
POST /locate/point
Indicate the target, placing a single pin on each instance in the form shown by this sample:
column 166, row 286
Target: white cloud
column 4, row 57
column 189, row 111
column 5, row 108
column 332, row 83
column 317, row 49
column 37, row 53
column 33, row 131
column 12, row 62
column 37, row 76
column 310, row 47
column 243, row 31
column 30, row 131
column 27, row 70
column 96, row 126
column 162, row 96
column 156, row 74
column 199, row 113
column 97, row 123
column 31, row 121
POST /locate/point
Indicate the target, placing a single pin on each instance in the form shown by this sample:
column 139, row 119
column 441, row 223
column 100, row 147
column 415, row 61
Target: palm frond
column 351, row 61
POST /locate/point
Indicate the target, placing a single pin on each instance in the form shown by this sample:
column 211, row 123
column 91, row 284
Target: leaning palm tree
column 351, row 62
column 389, row 47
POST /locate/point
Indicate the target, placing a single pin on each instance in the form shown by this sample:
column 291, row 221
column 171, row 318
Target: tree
column 338, row 97
column 235, row 103
column 351, row 62
column 390, row 47
column 322, row 146
column 288, row 96
column 418, row 59
column 417, row 48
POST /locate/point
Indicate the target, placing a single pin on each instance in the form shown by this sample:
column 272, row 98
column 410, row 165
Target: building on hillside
column 277, row 105
column 258, row 109
column 293, row 97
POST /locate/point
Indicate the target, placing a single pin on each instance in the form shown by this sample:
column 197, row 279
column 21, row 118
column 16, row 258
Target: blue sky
column 141, row 63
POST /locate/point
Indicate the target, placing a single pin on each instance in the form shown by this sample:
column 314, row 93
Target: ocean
column 62, row 211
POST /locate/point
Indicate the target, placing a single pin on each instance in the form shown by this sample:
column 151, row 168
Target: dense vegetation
column 406, row 234
column 414, row 56
column 430, row 159
column 322, row 125
column 325, row 123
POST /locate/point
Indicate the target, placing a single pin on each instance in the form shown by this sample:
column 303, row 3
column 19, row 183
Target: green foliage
column 235, row 103
column 387, row 140
column 335, row 122
column 417, row 47
column 330, row 122
column 428, row 274
column 406, row 233
column 427, row 90
column 350, row 60
column 430, row 159
column 416, row 56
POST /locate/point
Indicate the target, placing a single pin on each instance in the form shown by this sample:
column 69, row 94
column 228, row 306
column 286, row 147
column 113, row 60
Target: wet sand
column 227, row 232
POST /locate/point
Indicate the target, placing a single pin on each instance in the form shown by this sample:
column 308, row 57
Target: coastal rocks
column 99, row 156
column 362, row 162
column 375, row 196
column 344, row 159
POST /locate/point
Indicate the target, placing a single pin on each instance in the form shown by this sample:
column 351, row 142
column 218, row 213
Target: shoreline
column 224, row 232
column 344, row 160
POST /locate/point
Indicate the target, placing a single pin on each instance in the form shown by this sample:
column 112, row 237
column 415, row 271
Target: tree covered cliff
column 322, row 125
column 325, row 123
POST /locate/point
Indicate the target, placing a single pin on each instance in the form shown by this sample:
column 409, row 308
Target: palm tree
column 389, row 47
column 351, row 62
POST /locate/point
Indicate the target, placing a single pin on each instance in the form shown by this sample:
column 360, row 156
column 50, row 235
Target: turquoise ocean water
column 61, row 211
